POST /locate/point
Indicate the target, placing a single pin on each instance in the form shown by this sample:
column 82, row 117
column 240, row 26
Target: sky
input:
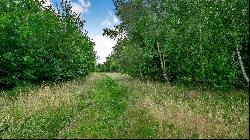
column 98, row 14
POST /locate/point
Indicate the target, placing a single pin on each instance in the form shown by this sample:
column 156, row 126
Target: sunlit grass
column 107, row 105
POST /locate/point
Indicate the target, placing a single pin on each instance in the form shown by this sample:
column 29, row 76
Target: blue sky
column 98, row 14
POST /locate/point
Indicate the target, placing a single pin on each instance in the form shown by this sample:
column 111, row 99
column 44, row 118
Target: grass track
column 110, row 105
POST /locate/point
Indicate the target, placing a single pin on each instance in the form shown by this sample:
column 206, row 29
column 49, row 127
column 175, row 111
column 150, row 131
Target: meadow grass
column 111, row 105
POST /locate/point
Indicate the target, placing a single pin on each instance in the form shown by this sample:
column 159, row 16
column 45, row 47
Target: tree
column 39, row 45
column 186, row 41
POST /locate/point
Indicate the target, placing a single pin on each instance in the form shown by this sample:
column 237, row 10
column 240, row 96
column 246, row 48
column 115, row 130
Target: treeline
column 200, row 42
column 108, row 66
column 38, row 43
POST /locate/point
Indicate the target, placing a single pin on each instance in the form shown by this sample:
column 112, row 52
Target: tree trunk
column 163, row 67
column 242, row 66
column 140, row 72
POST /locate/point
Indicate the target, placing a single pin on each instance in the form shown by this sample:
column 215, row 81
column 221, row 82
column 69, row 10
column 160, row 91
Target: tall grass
column 110, row 105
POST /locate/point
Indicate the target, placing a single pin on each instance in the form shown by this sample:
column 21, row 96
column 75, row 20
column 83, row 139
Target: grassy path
column 109, row 105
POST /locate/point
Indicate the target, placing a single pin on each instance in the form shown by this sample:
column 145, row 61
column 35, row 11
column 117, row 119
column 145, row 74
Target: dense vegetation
column 40, row 44
column 188, row 41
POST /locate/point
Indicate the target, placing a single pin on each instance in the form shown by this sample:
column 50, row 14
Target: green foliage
column 109, row 65
column 197, row 40
column 38, row 44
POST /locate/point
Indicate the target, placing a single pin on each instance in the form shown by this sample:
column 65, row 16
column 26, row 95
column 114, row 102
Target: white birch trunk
column 242, row 66
column 162, row 63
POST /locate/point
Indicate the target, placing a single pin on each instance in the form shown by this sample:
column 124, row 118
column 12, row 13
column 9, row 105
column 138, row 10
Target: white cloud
column 115, row 20
column 81, row 6
column 47, row 3
column 106, row 22
column 103, row 47
column 77, row 8
column 85, row 3
column 110, row 21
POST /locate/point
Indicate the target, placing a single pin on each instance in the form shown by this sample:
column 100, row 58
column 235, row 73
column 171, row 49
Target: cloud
column 107, row 22
column 115, row 20
column 85, row 3
column 81, row 6
column 77, row 8
column 47, row 3
column 110, row 21
column 103, row 47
